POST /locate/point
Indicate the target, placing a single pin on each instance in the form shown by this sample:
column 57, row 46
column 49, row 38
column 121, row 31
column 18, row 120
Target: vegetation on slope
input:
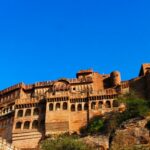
column 135, row 107
column 95, row 126
column 64, row 142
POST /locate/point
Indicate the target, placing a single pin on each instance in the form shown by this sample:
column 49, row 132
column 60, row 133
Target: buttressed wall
column 30, row 112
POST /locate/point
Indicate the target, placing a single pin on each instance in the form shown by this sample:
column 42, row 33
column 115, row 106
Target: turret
column 115, row 78
column 145, row 69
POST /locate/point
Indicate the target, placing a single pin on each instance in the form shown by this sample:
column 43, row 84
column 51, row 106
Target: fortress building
column 28, row 113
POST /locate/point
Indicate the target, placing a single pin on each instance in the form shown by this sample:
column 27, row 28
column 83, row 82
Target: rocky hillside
column 131, row 135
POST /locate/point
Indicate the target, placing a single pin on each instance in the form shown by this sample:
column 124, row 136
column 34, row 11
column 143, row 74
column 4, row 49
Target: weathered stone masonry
column 30, row 112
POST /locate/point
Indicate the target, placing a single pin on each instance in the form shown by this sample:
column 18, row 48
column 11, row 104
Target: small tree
column 95, row 126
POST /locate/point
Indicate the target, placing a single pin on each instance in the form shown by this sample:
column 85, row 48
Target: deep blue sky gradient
column 49, row 39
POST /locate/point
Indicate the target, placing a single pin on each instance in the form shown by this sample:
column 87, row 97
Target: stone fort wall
column 28, row 113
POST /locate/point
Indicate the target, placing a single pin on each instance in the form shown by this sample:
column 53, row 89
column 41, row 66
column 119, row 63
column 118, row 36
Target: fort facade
column 28, row 113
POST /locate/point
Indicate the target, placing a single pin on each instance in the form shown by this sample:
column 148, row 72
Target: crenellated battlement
column 14, row 87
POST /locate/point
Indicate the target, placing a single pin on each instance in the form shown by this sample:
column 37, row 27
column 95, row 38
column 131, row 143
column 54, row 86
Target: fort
column 28, row 113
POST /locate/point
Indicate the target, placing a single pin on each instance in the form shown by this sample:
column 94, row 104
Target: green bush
column 64, row 143
column 95, row 125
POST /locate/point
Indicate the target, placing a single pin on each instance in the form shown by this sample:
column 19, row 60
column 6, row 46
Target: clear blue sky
column 48, row 39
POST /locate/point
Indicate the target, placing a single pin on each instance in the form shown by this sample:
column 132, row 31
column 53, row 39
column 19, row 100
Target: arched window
column 28, row 112
column 18, row 125
column 20, row 113
column 26, row 125
column 79, row 107
column 73, row 107
column 101, row 147
column 100, row 104
column 115, row 103
column 93, row 105
column 36, row 111
column 35, row 124
column 10, row 108
column 108, row 105
column 65, row 106
column 86, row 106
column 3, row 111
column 57, row 106
column 51, row 107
